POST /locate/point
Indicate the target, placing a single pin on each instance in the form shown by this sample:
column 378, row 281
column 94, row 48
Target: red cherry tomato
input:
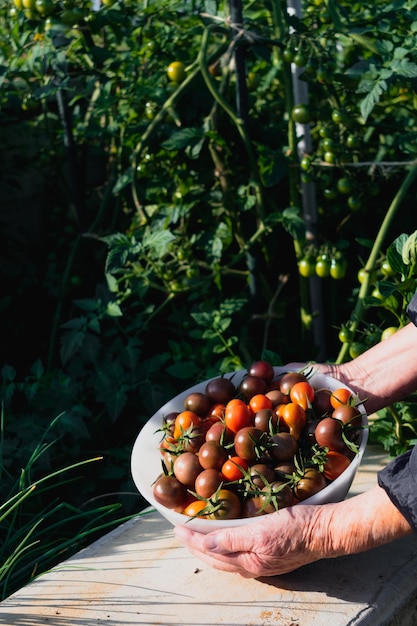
column 237, row 415
column 234, row 468
column 335, row 464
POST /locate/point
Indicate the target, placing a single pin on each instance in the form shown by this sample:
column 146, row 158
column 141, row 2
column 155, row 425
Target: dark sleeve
column 412, row 310
column 399, row 480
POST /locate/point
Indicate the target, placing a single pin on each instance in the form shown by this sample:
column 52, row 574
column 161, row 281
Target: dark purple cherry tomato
column 168, row 491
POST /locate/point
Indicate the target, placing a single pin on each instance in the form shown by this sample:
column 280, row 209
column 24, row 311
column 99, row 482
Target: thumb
column 226, row 542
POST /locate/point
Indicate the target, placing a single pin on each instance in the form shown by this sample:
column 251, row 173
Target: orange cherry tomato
column 340, row 397
column 217, row 410
column 237, row 415
column 260, row 401
column 294, row 417
column 184, row 421
column 234, row 468
column 194, row 508
column 302, row 393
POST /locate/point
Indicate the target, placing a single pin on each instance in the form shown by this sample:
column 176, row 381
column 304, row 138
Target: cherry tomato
column 248, row 443
column 186, row 468
column 265, row 420
column 176, row 71
column 388, row 332
column 294, row 417
column 302, row 393
column 234, row 468
column 252, row 507
column 386, row 269
column 338, row 268
column 311, row 482
column 300, row 60
column 45, row 7
column 335, row 464
column 194, row 508
column 220, row 390
column 353, row 142
column 354, row 203
column 260, row 401
column 237, row 415
column 227, row 505
column 168, row 491
column 262, row 369
column 323, row 267
column 340, row 396
column 184, row 421
column 344, row 185
column 321, row 402
column 348, row 414
column 307, row 267
column 220, row 433
column 198, row 402
column 276, row 495
column 207, row 482
column 338, row 116
column 282, row 447
column 289, row 379
column 288, row 55
column 345, row 335
column 356, row 348
column 301, row 114
column 252, row 385
column 212, row 455
column 261, row 474
column 328, row 434
column 363, row 273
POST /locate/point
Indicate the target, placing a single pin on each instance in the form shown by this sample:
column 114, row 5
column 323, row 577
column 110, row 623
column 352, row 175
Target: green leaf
column 184, row 138
column 368, row 103
column 294, row 224
column 159, row 241
column 122, row 182
column 113, row 309
column 70, row 343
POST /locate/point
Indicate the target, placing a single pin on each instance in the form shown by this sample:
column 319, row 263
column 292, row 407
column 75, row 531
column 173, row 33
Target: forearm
column 358, row 524
column 385, row 373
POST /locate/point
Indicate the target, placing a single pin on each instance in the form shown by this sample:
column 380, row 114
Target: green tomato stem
column 358, row 311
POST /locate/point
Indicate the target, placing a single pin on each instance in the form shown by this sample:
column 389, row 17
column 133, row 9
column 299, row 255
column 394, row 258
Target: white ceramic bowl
column 146, row 458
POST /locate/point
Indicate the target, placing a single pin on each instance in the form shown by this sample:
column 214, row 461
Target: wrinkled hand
column 277, row 543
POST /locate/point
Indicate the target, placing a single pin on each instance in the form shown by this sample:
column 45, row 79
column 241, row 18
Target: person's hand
column 276, row 544
column 281, row 542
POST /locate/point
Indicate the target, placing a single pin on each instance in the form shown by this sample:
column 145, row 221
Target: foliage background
column 152, row 230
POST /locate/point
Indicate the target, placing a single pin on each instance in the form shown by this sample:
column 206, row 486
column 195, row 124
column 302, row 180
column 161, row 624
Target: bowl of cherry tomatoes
column 248, row 443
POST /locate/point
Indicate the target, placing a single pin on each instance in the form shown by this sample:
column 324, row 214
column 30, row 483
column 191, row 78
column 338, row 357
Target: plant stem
column 358, row 311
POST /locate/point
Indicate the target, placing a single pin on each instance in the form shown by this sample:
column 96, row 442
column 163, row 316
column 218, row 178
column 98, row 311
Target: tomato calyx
column 222, row 504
